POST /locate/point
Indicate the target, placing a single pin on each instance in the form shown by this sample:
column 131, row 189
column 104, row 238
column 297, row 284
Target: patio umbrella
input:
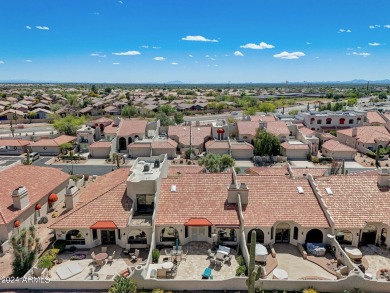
column 177, row 244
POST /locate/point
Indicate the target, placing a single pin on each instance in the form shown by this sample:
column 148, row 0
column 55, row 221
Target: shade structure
column 16, row 224
column 104, row 225
column 53, row 198
column 196, row 222
column 38, row 207
column 220, row 130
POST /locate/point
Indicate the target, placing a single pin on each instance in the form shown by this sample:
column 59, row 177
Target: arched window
column 342, row 121
column 314, row 236
column 344, row 237
column 312, row 120
column 74, row 237
column 319, row 121
column 137, row 237
column 169, row 234
column 295, row 236
column 359, row 120
column 328, row 120
column 259, row 236
column 351, row 121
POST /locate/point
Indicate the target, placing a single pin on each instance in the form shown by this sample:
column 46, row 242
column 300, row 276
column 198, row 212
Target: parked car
column 33, row 157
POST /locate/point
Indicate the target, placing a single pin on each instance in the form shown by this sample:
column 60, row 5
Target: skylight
column 300, row 190
column 329, row 191
column 173, row 188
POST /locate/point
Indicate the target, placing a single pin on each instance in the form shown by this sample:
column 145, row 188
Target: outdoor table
column 280, row 274
column 101, row 256
column 167, row 265
column 353, row 252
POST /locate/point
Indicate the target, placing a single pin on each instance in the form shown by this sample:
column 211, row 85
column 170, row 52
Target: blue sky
column 195, row 41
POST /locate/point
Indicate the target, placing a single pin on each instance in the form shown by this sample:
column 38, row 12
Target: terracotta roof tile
column 375, row 117
column 111, row 129
column 278, row 128
column 241, row 146
column 128, row 127
column 199, row 134
column 164, row 144
column 54, row 142
column 14, row 142
column 39, row 181
column 100, row 144
column 181, row 133
column 175, row 171
column 293, row 146
column 368, row 134
column 267, row 118
column 215, row 144
column 139, row 145
column 306, row 131
column 303, row 172
column 355, row 200
column 247, row 127
column 268, row 171
column 104, row 200
column 334, row 145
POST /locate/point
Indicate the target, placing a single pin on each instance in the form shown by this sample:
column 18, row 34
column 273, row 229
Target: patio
column 290, row 259
column 197, row 261
column 378, row 258
column 106, row 272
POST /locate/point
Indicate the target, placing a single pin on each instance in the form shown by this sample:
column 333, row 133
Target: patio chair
column 184, row 256
column 104, row 249
column 111, row 257
column 134, row 256
column 210, row 253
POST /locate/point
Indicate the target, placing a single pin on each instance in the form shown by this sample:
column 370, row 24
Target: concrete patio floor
column 290, row 260
column 377, row 257
column 106, row 272
column 197, row 261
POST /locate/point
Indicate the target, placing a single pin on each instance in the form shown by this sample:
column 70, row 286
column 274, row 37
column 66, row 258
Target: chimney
column 117, row 121
column 234, row 189
column 384, row 178
column 354, row 132
column 71, row 197
column 20, row 198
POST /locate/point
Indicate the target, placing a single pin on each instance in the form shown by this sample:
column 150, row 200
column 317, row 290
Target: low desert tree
column 216, row 163
column 167, row 109
column 164, row 119
column 129, row 111
column 123, row 285
column 178, row 117
column 266, row 144
column 65, row 147
column 26, row 247
column 68, row 125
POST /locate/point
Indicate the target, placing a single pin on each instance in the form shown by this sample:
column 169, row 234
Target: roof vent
column 146, row 168
column 329, row 191
column 300, row 190
column 173, row 188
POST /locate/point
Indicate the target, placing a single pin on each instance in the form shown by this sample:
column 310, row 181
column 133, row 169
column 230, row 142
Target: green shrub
column 60, row 245
column 123, row 285
column 325, row 159
column 240, row 260
column 371, row 154
column 241, row 270
column 45, row 262
column 315, row 160
column 155, row 255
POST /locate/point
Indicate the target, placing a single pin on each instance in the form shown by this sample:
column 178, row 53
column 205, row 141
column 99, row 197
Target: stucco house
column 100, row 149
column 51, row 147
column 13, row 146
column 294, row 150
column 337, row 150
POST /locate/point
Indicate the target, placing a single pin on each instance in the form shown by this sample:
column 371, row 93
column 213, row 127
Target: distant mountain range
column 178, row 82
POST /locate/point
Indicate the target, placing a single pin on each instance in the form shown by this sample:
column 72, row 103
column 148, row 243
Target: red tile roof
column 336, row 146
column 303, row 172
column 14, row 142
column 39, row 181
column 268, row 171
column 182, row 133
column 241, row 146
column 164, row 144
column 215, row 144
column 104, row 200
column 247, row 127
column 111, row 129
column 102, row 120
column 276, row 199
column 175, row 171
column 54, row 142
column 278, row 128
column 198, row 222
column 267, row 118
column 199, row 134
column 139, row 145
column 375, row 117
column 100, row 144
column 129, row 127
column 368, row 134
column 196, row 196
column 355, row 200
column 306, row 131
column 104, row 225
column 292, row 146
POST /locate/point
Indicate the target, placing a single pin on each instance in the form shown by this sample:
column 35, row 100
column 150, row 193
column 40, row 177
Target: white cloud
column 28, row 27
column 97, row 54
column 387, row 26
column 260, row 46
column 115, row 63
column 144, row 46
column 374, row 44
column 44, row 28
column 128, row 53
column 238, row 53
column 28, row 61
column 2, row 62
column 159, row 58
column 308, row 43
column 364, row 54
column 120, row 2
column 198, row 39
column 287, row 55
column 374, row 26
column 207, row 56
column 95, row 13
column 154, row 47
column 174, row 63
column 190, row 56
column 344, row 30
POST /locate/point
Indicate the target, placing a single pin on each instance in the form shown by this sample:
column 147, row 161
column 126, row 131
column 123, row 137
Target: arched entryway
column 369, row 235
column 314, row 236
column 282, row 233
column 74, row 237
column 137, row 236
column 169, row 234
column 259, row 236
column 122, row 143
column 129, row 140
column 344, row 237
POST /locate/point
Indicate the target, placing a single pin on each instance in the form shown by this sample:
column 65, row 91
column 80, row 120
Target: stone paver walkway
column 378, row 258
